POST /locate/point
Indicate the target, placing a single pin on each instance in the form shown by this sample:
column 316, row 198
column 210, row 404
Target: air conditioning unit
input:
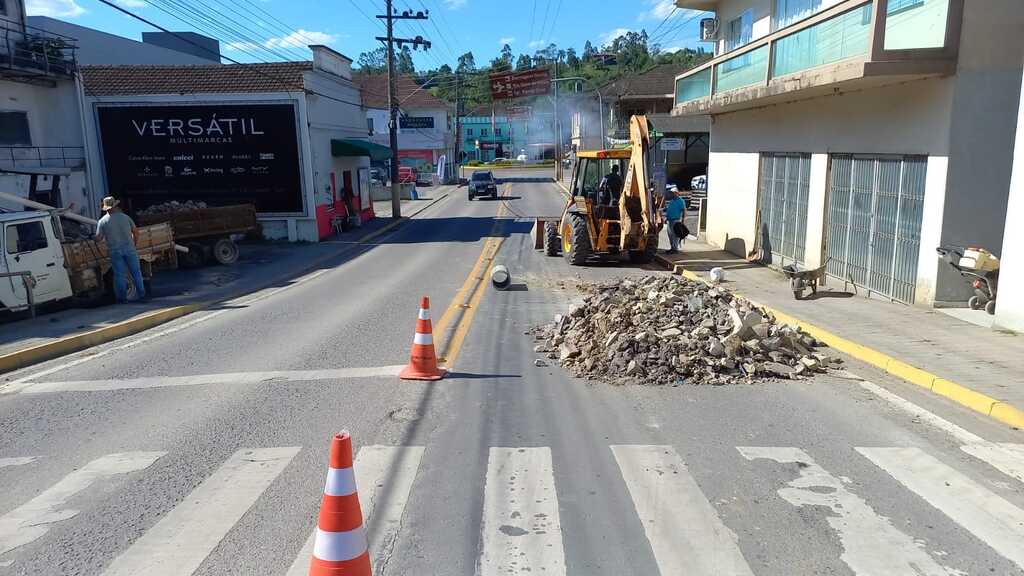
column 708, row 29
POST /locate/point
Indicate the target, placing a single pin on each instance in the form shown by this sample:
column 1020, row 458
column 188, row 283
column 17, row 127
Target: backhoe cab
column 631, row 222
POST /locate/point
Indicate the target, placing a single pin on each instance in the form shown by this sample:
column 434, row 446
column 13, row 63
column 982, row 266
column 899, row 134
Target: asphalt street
column 200, row 447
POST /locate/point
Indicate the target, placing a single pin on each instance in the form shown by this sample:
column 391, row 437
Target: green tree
column 403, row 61
column 571, row 60
column 588, row 51
column 466, row 63
column 524, row 62
column 374, row 61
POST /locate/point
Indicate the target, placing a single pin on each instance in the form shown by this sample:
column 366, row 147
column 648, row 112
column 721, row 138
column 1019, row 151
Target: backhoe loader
column 591, row 226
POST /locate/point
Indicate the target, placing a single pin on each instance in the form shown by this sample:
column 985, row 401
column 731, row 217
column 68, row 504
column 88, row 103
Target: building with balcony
column 424, row 123
column 41, row 146
column 859, row 133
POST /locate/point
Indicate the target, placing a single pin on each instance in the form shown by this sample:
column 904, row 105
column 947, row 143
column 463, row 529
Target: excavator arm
column 638, row 207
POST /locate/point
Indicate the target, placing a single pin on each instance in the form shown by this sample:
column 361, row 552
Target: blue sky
column 278, row 29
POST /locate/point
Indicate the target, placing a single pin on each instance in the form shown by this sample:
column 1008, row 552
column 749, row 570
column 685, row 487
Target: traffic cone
column 340, row 547
column 423, row 361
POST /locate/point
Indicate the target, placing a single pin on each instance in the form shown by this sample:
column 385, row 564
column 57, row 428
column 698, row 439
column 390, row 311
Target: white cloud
column 672, row 49
column 657, row 10
column 131, row 3
column 236, row 46
column 538, row 43
column 454, row 4
column 610, row 35
column 300, row 39
column 54, row 8
column 506, row 40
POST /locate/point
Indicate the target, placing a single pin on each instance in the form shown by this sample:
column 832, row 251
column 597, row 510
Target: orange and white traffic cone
column 340, row 547
column 423, row 361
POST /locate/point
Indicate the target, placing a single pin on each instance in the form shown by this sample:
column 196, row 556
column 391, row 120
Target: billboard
column 508, row 85
column 219, row 154
column 518, row 112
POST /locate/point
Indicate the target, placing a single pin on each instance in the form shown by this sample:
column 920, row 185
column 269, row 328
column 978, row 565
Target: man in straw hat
column 121, row 234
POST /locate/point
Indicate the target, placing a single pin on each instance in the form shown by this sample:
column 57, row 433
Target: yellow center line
column 466, row 301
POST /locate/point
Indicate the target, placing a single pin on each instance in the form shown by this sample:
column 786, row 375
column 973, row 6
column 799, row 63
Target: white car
column 521, row 158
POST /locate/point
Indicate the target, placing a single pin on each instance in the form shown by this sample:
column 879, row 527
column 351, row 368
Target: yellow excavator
column 594, row 222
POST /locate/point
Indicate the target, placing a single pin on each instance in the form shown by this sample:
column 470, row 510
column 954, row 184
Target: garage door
column 874, row 222
column 782, row 207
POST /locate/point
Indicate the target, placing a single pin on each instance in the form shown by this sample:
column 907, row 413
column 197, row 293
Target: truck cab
column 30, row 241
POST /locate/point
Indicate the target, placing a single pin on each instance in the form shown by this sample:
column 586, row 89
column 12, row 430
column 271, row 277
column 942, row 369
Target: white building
column 41, row 146
column 288, row 136
column 1010, row 299
column 862, row 132
column 424, row 124
column 97, row 47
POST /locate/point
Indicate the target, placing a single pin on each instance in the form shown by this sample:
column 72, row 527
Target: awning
column 349, row 147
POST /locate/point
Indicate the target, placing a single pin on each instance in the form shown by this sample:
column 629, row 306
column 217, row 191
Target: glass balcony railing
column 842, row 37
column 918, row 36
column 743, row 70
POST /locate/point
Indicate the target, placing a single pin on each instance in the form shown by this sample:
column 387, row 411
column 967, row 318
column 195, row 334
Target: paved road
column 200, row 447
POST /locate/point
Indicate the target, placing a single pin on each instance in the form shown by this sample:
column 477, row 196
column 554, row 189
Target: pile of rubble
column 667, row 330
column 172, row 207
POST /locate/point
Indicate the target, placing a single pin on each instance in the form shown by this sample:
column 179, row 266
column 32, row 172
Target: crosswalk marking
column 384, row 476
column 991, row 518
column 32, row 520
column 1004, row 456
column 250, row 378
column 871, row 544
column 685, row 532
column 19, row 461
column 522, row 532
column 182, row 539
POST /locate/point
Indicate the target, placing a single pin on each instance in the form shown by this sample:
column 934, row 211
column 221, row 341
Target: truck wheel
column 225, row 251
column 195, row 257
column 575, row 240
column 551, row 239
column 646, row 255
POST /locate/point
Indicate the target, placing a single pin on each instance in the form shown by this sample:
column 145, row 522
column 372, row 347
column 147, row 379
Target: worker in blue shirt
column 675, row 209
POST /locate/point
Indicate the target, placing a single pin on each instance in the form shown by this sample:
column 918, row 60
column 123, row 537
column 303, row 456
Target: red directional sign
column 507, row 85
column 518, row 111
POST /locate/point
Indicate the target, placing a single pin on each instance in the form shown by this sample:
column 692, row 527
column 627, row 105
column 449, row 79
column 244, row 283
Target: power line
column 554, row 21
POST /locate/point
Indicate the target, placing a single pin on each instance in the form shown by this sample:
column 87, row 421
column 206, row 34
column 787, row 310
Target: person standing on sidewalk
column 675, row 210
column 121, row 235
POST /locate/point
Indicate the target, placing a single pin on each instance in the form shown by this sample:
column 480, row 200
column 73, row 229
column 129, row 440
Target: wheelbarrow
column 800, row 278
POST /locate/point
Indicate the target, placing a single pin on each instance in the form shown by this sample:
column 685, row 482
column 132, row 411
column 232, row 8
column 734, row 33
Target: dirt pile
column 172, row 207
column 667, row 330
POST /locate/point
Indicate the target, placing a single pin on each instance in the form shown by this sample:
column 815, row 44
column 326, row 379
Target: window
column 25, row 237
column 789, row 11
column 369, row 121
column 497, row 131
column 483, row 131
column 14, row 128
column 3, row 7
column 740, row 30
column 895, row 6
column 469, row 131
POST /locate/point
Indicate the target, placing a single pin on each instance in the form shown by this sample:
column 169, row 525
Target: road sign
column 671, row 143
column 518, row 111
column 507, row 85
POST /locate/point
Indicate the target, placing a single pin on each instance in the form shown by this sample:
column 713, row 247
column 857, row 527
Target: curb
column 71, row 344
column 565, row 191
column 981, row 403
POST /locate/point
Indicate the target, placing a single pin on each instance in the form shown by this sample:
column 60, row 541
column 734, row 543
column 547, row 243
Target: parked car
column 521, row 158
column 482, row 183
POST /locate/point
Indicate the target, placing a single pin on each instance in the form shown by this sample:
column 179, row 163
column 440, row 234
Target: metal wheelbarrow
column 800, row 278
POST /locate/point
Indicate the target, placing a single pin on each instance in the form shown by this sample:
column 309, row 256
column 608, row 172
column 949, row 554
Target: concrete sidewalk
column 930, row 348
column 62, row 328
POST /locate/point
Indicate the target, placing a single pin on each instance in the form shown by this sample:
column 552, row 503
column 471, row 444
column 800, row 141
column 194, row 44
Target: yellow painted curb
column 996, row 409
column 57, row 348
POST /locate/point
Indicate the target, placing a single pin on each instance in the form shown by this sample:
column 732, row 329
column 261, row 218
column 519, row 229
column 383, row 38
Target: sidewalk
column 61, row 329
column 926, row 347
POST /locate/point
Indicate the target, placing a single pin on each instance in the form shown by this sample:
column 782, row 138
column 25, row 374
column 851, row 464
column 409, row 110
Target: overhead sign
column 671, row 144
column 507, row 85
column 217, row 154
column 518, row 111
column 414, row 122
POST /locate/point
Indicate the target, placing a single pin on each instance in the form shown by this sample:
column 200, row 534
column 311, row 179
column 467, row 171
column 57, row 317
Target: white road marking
column 1005, row 457
column 384, row 476
column 32, row 520
column 871, row 544
column 685, row 532
column 522, row 532
column 271, row 377
column 19, row 384
column 182, row 539
column 19, row 461
column 996, row 522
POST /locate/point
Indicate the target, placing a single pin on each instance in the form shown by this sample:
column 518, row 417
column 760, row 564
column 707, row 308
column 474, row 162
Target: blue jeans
column 673, row 240
column 123, row 262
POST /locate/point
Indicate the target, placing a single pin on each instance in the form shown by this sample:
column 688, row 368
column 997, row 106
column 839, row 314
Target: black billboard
column 219, row 154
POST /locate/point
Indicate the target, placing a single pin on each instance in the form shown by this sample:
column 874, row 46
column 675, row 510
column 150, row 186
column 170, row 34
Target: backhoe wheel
column 646, row 255
column 575, row 239
column 551, row 239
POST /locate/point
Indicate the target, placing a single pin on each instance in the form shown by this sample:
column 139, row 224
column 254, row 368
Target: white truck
column 59, row 268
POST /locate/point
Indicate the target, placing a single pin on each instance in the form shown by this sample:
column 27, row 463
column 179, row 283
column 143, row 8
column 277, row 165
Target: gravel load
column 172, row 207
column 671, row 331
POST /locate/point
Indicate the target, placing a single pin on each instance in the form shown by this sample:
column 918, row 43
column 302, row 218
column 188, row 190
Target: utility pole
column 390, row 41
column 458, row 132
column 558, row 131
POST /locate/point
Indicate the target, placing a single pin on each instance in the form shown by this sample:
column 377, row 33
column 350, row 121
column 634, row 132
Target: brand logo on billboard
column 188, row 171
column 213, row 170
column 168, row 171
column 266, row 155
column 197, row 130
column 184, row 158
column 238, row 170
column 260, row 169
